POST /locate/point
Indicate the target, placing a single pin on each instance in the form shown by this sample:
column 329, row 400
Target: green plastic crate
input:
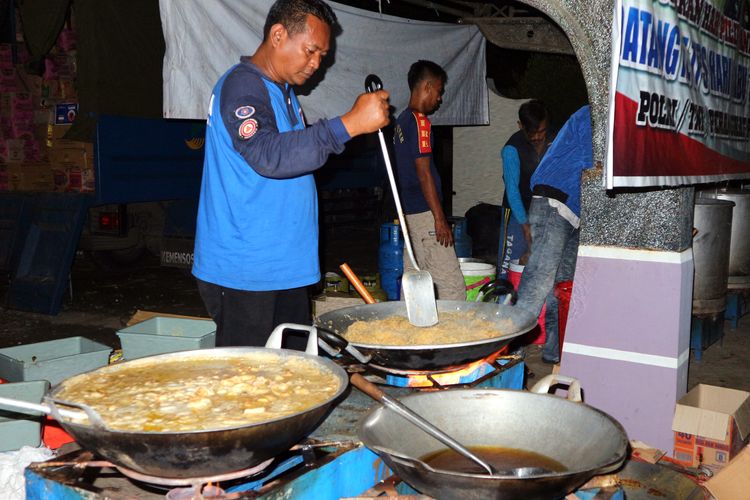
column 18, row 429
column 160, row 335
column 54, row 360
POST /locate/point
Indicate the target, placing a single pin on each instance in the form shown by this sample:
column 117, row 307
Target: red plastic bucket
column 563, row 291
column 539, row 334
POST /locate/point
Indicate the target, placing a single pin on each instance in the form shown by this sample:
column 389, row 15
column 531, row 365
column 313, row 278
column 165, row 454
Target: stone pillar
column 628, row 332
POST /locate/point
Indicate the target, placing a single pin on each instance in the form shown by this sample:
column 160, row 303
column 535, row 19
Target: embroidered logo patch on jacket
column 248, row 128
column 244, row 112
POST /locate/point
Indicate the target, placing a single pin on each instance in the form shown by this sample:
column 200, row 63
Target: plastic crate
column 54, row 360
column 161, row 335
column 17, row 428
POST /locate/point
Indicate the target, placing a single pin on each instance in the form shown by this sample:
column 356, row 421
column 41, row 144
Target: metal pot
column 511, row 322
column 739, row 248
column 585, row 440
column 711, row 244
column 206, row 452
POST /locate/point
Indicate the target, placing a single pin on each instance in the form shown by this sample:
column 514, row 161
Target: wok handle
column 274, row 340
column 354, row 280
column 328, row 338
column 574, row 386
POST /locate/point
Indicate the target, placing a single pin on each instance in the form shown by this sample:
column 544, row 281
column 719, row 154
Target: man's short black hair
column 423, row 70
column 531, row 114
column 292, row 14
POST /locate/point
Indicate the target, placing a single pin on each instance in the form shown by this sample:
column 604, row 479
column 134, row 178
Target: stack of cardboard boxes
column 36, row 111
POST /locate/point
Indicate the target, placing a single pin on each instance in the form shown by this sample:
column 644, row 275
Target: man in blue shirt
column 419, row 183
column 256, row 244
column 521, row 155
column 554, row 219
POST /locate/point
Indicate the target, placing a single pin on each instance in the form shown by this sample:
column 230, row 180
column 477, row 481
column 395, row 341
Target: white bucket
column 476, row 275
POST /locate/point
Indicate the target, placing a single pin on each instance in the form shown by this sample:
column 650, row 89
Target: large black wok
column 199, row 453
column 511, row 322
column 585, row 440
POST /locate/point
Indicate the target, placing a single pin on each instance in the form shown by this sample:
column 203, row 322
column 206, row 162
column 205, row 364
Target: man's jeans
column 554, row 248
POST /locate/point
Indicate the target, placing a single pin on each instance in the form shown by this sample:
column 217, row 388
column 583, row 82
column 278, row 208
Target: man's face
column 538, row 136
column 434, row 89
column 300, row 55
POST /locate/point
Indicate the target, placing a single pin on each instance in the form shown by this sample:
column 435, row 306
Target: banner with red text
column 679, row 109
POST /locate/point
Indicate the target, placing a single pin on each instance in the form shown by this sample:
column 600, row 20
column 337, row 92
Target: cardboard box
column 76, row 154
column 710, row 425
column 733, row 481
column 331, row 301
column 73, row 179
column 58, row 131
column 30, row 177
column 141, row 315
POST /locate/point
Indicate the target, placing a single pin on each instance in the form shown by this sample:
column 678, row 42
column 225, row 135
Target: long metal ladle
column 374, row 392
column 417, row 284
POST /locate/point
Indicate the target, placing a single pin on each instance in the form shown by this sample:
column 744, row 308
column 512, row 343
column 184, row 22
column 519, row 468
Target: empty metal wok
column 206, row 452
column 511, row 322
column 585, row 440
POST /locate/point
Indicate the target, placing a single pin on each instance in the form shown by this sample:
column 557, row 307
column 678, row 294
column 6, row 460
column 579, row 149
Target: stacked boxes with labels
column 36, row 112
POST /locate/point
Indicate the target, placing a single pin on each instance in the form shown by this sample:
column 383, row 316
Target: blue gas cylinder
column 461, row 238
column 391, row 259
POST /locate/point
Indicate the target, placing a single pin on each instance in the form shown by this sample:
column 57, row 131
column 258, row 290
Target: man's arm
column 512, row 178
column 250, row 120
column 443, row 231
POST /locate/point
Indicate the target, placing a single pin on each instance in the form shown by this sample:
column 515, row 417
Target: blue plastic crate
column 160, row 335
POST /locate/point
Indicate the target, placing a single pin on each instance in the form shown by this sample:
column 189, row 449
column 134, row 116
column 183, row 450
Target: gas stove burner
column 466, row 368
column 190, row 481
column 470, row 375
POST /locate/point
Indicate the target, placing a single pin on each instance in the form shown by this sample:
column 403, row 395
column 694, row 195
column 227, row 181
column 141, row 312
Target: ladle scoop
column 374, row 392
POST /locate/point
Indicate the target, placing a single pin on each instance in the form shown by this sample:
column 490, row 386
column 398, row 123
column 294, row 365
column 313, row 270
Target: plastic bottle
column 391, row 259
column 461, row 238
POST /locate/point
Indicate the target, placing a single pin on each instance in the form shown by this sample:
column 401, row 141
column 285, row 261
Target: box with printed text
column 710, row 426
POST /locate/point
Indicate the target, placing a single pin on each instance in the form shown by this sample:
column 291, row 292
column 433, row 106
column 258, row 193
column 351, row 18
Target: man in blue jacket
column 554, row 219
column 256, row 244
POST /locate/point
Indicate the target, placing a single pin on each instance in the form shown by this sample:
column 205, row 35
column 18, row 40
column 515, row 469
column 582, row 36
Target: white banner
column 680, row 113
column 205, row 38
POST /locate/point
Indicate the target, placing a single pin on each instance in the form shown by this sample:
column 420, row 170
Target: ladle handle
column 372, row 84
column 358, row 285
column 25, row 405
column 374, row 392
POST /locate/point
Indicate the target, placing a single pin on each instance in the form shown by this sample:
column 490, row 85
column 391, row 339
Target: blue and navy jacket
column 257, row 226
column 558, row 175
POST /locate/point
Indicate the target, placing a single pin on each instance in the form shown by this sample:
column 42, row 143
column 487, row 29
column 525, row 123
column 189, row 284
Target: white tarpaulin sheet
column 205, row 38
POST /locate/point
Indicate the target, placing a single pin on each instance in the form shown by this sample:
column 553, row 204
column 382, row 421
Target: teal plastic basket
column 160, row 335
column 18, row 429
column 53, row 360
